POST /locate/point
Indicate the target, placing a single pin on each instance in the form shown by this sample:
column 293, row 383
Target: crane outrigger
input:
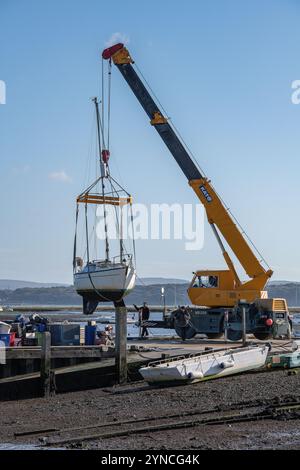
column 218, row 290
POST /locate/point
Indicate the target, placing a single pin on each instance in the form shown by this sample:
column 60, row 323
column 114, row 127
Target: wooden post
column 46, row 364
column 121, row 341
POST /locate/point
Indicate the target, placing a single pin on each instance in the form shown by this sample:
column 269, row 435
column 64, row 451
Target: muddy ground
column 139, row 400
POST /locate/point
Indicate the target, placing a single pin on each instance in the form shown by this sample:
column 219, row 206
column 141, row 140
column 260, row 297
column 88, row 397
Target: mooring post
column 121, row 342
column 46, row 364
column 226, row 316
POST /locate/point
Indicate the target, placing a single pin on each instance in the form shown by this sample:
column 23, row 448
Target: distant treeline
column 175, row 294
column 289, row 291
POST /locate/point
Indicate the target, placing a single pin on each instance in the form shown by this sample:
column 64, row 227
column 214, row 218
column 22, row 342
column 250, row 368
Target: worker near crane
column 182, row 319
column 144, row 315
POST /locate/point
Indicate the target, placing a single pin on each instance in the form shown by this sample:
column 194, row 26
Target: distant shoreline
column 100, row 308
column 75, row 308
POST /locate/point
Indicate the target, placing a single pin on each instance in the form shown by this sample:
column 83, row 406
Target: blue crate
column 41, row 327
column 5, row 338
column 90, row 335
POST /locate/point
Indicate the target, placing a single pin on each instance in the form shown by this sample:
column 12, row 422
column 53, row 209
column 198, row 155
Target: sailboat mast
column 103, row 173
column 102, row 166
column 121, row 234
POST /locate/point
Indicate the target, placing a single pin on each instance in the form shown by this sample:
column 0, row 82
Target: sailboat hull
column 108, row 283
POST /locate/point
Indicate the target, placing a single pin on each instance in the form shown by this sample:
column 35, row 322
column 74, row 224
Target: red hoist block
column 110, row 51
column 105, row 155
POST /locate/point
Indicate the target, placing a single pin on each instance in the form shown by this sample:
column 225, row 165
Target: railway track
column 287, row 408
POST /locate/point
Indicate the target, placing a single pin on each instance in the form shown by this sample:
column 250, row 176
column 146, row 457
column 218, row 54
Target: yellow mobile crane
column 219, row 291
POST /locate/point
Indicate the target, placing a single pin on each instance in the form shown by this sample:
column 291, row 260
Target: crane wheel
column 190, row 332
column 262, row 336
column 234, row 335
column 214, row 335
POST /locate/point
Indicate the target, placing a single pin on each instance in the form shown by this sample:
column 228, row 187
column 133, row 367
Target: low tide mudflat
column 138, row 400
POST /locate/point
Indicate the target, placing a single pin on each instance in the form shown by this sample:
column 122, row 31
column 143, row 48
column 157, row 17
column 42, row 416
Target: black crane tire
column 214, row 335
column 262, row 336
column 190, row 332
column 234, row 335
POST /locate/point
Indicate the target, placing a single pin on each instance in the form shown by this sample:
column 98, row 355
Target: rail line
column 256, row 410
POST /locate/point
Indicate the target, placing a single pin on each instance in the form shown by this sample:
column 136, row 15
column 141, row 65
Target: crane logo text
column 205, row 193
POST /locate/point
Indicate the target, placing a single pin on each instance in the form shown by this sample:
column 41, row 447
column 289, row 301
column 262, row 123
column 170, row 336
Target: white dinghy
column 206, row 365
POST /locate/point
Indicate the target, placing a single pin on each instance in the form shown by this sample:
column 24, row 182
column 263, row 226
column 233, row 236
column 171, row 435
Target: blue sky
column 222, row 69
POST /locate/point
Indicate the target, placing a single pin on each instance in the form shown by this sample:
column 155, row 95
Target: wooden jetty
column 41, row 370
column 36, row 371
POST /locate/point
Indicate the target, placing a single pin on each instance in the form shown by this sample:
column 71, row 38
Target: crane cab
column 215, row 288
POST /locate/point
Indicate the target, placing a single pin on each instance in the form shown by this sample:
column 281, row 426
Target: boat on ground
column 206, row 365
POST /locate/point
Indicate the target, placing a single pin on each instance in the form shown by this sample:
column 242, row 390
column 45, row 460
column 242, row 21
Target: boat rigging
column 110, row 278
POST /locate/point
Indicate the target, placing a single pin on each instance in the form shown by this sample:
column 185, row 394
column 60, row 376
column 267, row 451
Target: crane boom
column 217, row 214
column 159, row 122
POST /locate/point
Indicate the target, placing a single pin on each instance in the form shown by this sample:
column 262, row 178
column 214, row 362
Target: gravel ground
column 139, row 400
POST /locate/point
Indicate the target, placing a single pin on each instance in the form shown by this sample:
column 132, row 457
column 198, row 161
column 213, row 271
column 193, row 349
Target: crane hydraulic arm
column 217, row 214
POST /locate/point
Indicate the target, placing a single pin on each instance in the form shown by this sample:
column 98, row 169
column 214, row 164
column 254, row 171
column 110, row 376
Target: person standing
column 144, row 315
column 182, row 319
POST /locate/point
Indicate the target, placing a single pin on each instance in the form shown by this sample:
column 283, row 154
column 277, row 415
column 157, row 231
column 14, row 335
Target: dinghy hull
column 206, row 366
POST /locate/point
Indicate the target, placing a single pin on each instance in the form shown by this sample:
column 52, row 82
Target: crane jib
column 164, row 129
column 218, row 215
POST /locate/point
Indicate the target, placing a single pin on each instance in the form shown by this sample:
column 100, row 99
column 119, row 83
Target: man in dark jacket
column 144, row 315
column 182, row 318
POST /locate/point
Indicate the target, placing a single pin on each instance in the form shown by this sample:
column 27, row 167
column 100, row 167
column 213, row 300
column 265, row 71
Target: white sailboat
column 206, row 365
column 111, row 278
column 107, row 280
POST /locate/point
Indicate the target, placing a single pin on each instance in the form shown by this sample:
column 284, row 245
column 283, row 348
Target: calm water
column 101, row 318
column 132, row 329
